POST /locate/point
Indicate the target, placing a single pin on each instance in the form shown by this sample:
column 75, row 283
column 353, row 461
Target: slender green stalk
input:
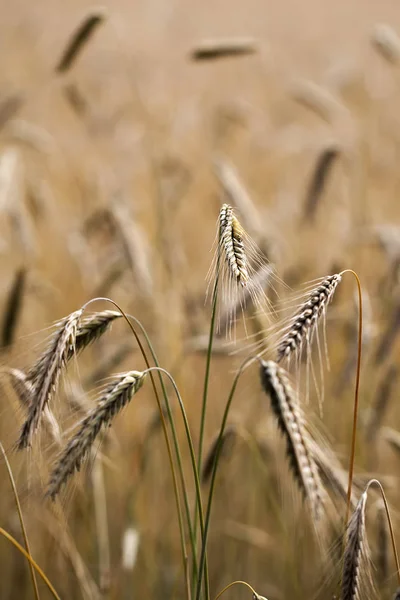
column 199, row 503
column 207, row 371
column 169, row 450
column 242, row 367
column 34, row 564
column 21, row 520
column 205, row 395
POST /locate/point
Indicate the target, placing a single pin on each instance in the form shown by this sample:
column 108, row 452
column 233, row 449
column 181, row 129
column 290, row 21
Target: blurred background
column 112, row 175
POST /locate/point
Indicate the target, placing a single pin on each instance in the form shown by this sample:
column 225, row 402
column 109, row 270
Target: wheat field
column 219, row 171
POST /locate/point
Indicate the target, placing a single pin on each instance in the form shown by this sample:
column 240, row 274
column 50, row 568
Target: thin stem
column 242, row 367
column 356, row 392
column 192, row 458
column 31, row 561
column 21, row 520
column 207, row 371
column 164, row 426
column 382, row 491
column 235, row 583
column 205, row 389
column 178, row 455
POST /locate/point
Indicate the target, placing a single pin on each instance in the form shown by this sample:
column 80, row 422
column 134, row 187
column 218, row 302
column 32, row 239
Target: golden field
column 109, row 187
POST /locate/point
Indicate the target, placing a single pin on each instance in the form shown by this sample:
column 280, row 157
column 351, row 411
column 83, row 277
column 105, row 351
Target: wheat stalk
column 291, row 423
column 304, row 322
column 113, row 399
column 44, row 378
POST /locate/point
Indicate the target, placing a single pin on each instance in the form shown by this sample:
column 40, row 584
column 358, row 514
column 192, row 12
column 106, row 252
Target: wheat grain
column 355, row 554
column 237, row 195
column 224, row 446
column 386, row 41
column 113, row 399
column 291, row 423
column 78, row 40
column 239, row 268
column 45, row 375
column 135, row 247
column 24, row 391
column 381, row 401
column 223, row 48
column 304, row 322
column 318, row 181
column 231, row 241
column 13, row 308
column 91, row 328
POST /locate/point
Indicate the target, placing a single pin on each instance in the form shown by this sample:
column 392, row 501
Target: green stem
column 178, row 453
column 199, row 503
column 169, row 450
column 244, row 364
column 207, row 373
column 205, row 395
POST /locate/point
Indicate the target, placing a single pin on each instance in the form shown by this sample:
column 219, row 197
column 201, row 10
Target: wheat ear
column 45, row 377
column 88, row 330
column 291, row 423
column 231, row 242
column 318, row 181
column 80, row 37
column 115, row 396
column 355, row 553
column 24, row 391
column 223, row 48
column 91, row 328
column 305, row 321
column 13, row 308
column 228, row 437
column 356, row 563
column 386, row 42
